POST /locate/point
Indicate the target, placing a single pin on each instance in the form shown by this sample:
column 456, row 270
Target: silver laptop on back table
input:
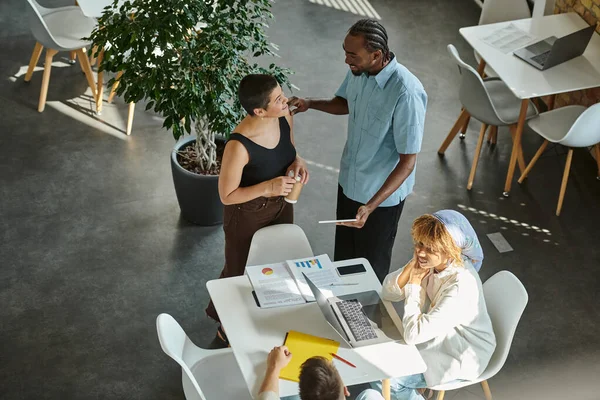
column 553, row 51
column 360, row 318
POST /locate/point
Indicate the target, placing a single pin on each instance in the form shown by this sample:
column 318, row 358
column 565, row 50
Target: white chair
column 571, row 126
column 488, row 100
column 59, row 29
column 207, row 374
column 494, row 11
column 278, row 243
column 506, row 298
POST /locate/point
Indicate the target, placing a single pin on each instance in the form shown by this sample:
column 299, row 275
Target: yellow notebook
column 304, row 346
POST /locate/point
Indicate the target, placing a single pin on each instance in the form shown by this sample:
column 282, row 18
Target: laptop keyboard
column 541, row 58
column 359, row 324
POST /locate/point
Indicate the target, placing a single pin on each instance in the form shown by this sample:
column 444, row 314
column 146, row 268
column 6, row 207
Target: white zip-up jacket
column 447, row 319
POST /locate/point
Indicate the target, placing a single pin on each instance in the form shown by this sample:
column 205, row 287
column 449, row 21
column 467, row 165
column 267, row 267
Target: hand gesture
column 298, row 168
column 300, row 104
column 278, row 358
column 280, row 186
column 417, row 274
column 361, row 217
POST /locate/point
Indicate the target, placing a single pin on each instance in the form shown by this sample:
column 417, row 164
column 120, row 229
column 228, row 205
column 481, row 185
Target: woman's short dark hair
column 255, row 90
column 320, row 380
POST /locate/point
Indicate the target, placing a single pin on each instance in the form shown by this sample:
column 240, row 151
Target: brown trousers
column 240, row 223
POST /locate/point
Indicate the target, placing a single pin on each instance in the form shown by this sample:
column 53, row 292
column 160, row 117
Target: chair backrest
column 503, row 10
column 176, row 344
column 506, row 298
column 473, row 94
column 586, row 129
column 38, row 26
column 278, row 243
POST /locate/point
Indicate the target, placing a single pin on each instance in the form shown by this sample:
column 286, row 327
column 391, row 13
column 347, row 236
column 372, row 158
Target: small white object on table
column 253, row 332
column 527, row 82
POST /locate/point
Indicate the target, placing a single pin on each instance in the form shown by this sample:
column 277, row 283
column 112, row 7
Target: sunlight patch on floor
column 358, row 7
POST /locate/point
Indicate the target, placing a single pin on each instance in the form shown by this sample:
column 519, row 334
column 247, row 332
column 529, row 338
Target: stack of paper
column 283, row 284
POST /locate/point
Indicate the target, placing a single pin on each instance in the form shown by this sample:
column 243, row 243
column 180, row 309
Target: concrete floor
column 93, row 247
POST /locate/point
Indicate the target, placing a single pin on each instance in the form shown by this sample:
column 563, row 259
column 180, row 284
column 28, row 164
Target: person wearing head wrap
column 445, row 314
column 463, row 234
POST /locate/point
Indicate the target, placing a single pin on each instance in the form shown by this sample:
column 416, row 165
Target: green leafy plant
column 186, row 59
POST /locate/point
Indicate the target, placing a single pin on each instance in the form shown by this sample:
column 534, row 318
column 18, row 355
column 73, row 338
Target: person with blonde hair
column 445, row 314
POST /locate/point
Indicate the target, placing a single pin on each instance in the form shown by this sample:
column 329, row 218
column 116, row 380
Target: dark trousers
column 374, row 241
column 240, row 223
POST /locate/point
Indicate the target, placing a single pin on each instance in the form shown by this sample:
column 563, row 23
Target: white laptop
column 361, row 318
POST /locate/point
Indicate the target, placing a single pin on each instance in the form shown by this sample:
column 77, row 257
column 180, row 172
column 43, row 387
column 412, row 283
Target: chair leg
column 476, row 156
column 486, row 390
column 35, row 56
column 495, row 136
column 113, row 89
column 386, row 389
column 598, row 159
column 87, row 70
column 100, row 85
column 493, row 131
column 441, row 394
column 455, row 128
column 533, row 161
column 72, row 57
column 563, row 187
column 463, row 131
column 46, row 78
column 130, row 117
column 520, row 158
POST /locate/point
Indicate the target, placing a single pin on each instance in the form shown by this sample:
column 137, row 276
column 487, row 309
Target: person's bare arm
column 336, row 106
column 298, row 167
column 405, row 167
column 278, row 358
column 235, row 158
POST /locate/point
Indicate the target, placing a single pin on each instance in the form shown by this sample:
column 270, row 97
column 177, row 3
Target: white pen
column 343, row 284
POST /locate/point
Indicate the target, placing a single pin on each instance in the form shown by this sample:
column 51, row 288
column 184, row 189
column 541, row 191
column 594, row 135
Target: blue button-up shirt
column 386, row 118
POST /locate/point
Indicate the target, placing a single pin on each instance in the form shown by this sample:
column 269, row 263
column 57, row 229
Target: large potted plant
column 185, row 58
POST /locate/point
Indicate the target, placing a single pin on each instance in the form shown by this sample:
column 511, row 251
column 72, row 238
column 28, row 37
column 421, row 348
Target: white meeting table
column 253, row 332
column 527, row 82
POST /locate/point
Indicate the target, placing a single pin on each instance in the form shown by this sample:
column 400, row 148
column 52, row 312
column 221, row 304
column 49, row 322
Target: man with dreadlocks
column 386, row 107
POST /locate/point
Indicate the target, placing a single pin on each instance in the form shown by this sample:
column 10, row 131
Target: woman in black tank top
column 258, row 158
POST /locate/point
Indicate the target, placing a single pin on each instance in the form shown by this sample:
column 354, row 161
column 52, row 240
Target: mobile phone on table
column 351, row 270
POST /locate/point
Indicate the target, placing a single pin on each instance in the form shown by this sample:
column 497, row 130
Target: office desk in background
column 527, row 82
column 253, row 332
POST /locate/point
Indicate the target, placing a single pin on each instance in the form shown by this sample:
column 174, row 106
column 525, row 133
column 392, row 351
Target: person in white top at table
column 445, row 314
column 319, row 379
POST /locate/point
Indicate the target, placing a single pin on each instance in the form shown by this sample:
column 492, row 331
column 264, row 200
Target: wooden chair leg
column 495, row 136
column 486, row 390
column 463, row 131
column 386, row 389
column 441, row 394
column 35, row 56
column 72, row 57
column 113, row 89
column 130, row 117
column 563, row 187
column 87, row 70
column 597, row 147
column 46, row 78
column 493, row 131
column 455, row 128
column 533, row 161
column 520, row 158
column 476, row 156
column 100, row 85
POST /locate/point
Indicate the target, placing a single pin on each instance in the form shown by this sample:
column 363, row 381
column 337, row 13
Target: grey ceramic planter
column 198, row 195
